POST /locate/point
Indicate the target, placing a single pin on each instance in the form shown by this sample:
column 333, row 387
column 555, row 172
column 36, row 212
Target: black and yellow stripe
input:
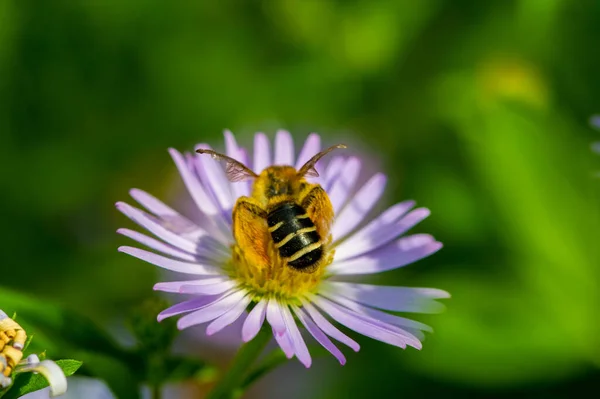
column 295, row 235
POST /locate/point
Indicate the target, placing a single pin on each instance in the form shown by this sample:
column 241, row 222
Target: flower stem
column 156, row 392
column 241, row 365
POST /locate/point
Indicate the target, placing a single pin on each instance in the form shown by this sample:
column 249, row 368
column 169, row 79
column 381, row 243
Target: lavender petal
column 207, row 289
column 211, row 311
column 203, row 201
column 156, row 245
column 405, row 325
column 254, row 321
column 311, row 147
column 275, row 316
column 262, row 153
column 170, row 264
column 284, row 148
column 366, row 325
column 285, row 343
column 358, row 207
column 214, row 178
column 318, row 335
column 241, row 188
column 327, row 327
column 401, row 252
column 228, row 317
column 175, row 286
column 189, row 305
column 151, row 203
column 298, row 343
column 377, row 233
column 332, row 172
column 150, row 224
column 397, row 299
column 344, row 185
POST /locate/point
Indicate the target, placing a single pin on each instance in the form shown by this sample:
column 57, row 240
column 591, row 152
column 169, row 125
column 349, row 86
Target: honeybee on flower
column 277, row 238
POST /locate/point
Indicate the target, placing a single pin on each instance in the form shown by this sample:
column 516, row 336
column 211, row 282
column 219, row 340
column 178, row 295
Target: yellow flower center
column 278, row 280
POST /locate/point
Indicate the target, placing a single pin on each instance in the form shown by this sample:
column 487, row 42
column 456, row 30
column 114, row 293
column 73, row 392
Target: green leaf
column 69, row 366
column 30, row 382
column 61, row 326
column 61, row 331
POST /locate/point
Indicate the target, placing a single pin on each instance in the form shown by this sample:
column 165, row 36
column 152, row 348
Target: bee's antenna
column 308, row 169
column 234, row 169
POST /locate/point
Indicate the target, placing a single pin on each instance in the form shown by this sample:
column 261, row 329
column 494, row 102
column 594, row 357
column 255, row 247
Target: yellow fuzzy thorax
column 278, row 280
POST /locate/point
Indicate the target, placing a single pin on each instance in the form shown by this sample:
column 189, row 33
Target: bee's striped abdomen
column 295, row 235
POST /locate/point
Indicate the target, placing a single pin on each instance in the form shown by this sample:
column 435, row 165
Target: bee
column 12, row 341
column 284, row 210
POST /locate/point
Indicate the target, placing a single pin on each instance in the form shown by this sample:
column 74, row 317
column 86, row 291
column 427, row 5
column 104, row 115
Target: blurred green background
column 477, row 110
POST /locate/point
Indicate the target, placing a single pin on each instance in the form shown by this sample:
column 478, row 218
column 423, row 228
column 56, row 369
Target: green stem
column 156, row 391
column 241, row 364
column 271, row 362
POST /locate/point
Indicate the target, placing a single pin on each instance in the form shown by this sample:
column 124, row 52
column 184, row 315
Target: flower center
column 277, row 280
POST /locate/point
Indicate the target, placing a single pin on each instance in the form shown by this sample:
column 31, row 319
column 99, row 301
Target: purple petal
column 318, row 335
column 367, row 326
column 211, row 311
column 333, row 170
column 207, row 289
column 284, row 148
column 329, row 328
column 298, row 343
column 384, row 226
column 229, row 317
column 213, row 174
column 399, row 253
column 254, row 321
column 188, row 306
column 175, row 286
column 203, row 201
column 595, row 121
column 241, row 188
column 361, row 203
column 275, row 317
column 397, row 299
column 169, row 218
column 344, row 184
column 312, row 146
column 170, row 264
column 219, row 224
column 151, row 203
column 149, row 223
column 402, row 322
column 262, row 153
column 285, row 343
column 156, row 245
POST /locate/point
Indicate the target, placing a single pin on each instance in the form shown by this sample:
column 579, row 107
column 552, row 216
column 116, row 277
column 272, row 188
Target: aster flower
column 12, row 342
column 225, row 285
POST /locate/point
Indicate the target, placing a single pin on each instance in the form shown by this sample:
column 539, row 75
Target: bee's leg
column 319, row 209
column 251, row 231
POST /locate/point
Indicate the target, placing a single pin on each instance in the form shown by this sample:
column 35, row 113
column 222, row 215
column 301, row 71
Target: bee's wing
column 251, row 231
column 318, row 207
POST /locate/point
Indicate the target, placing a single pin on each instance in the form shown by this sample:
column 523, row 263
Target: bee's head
column 277, row 180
